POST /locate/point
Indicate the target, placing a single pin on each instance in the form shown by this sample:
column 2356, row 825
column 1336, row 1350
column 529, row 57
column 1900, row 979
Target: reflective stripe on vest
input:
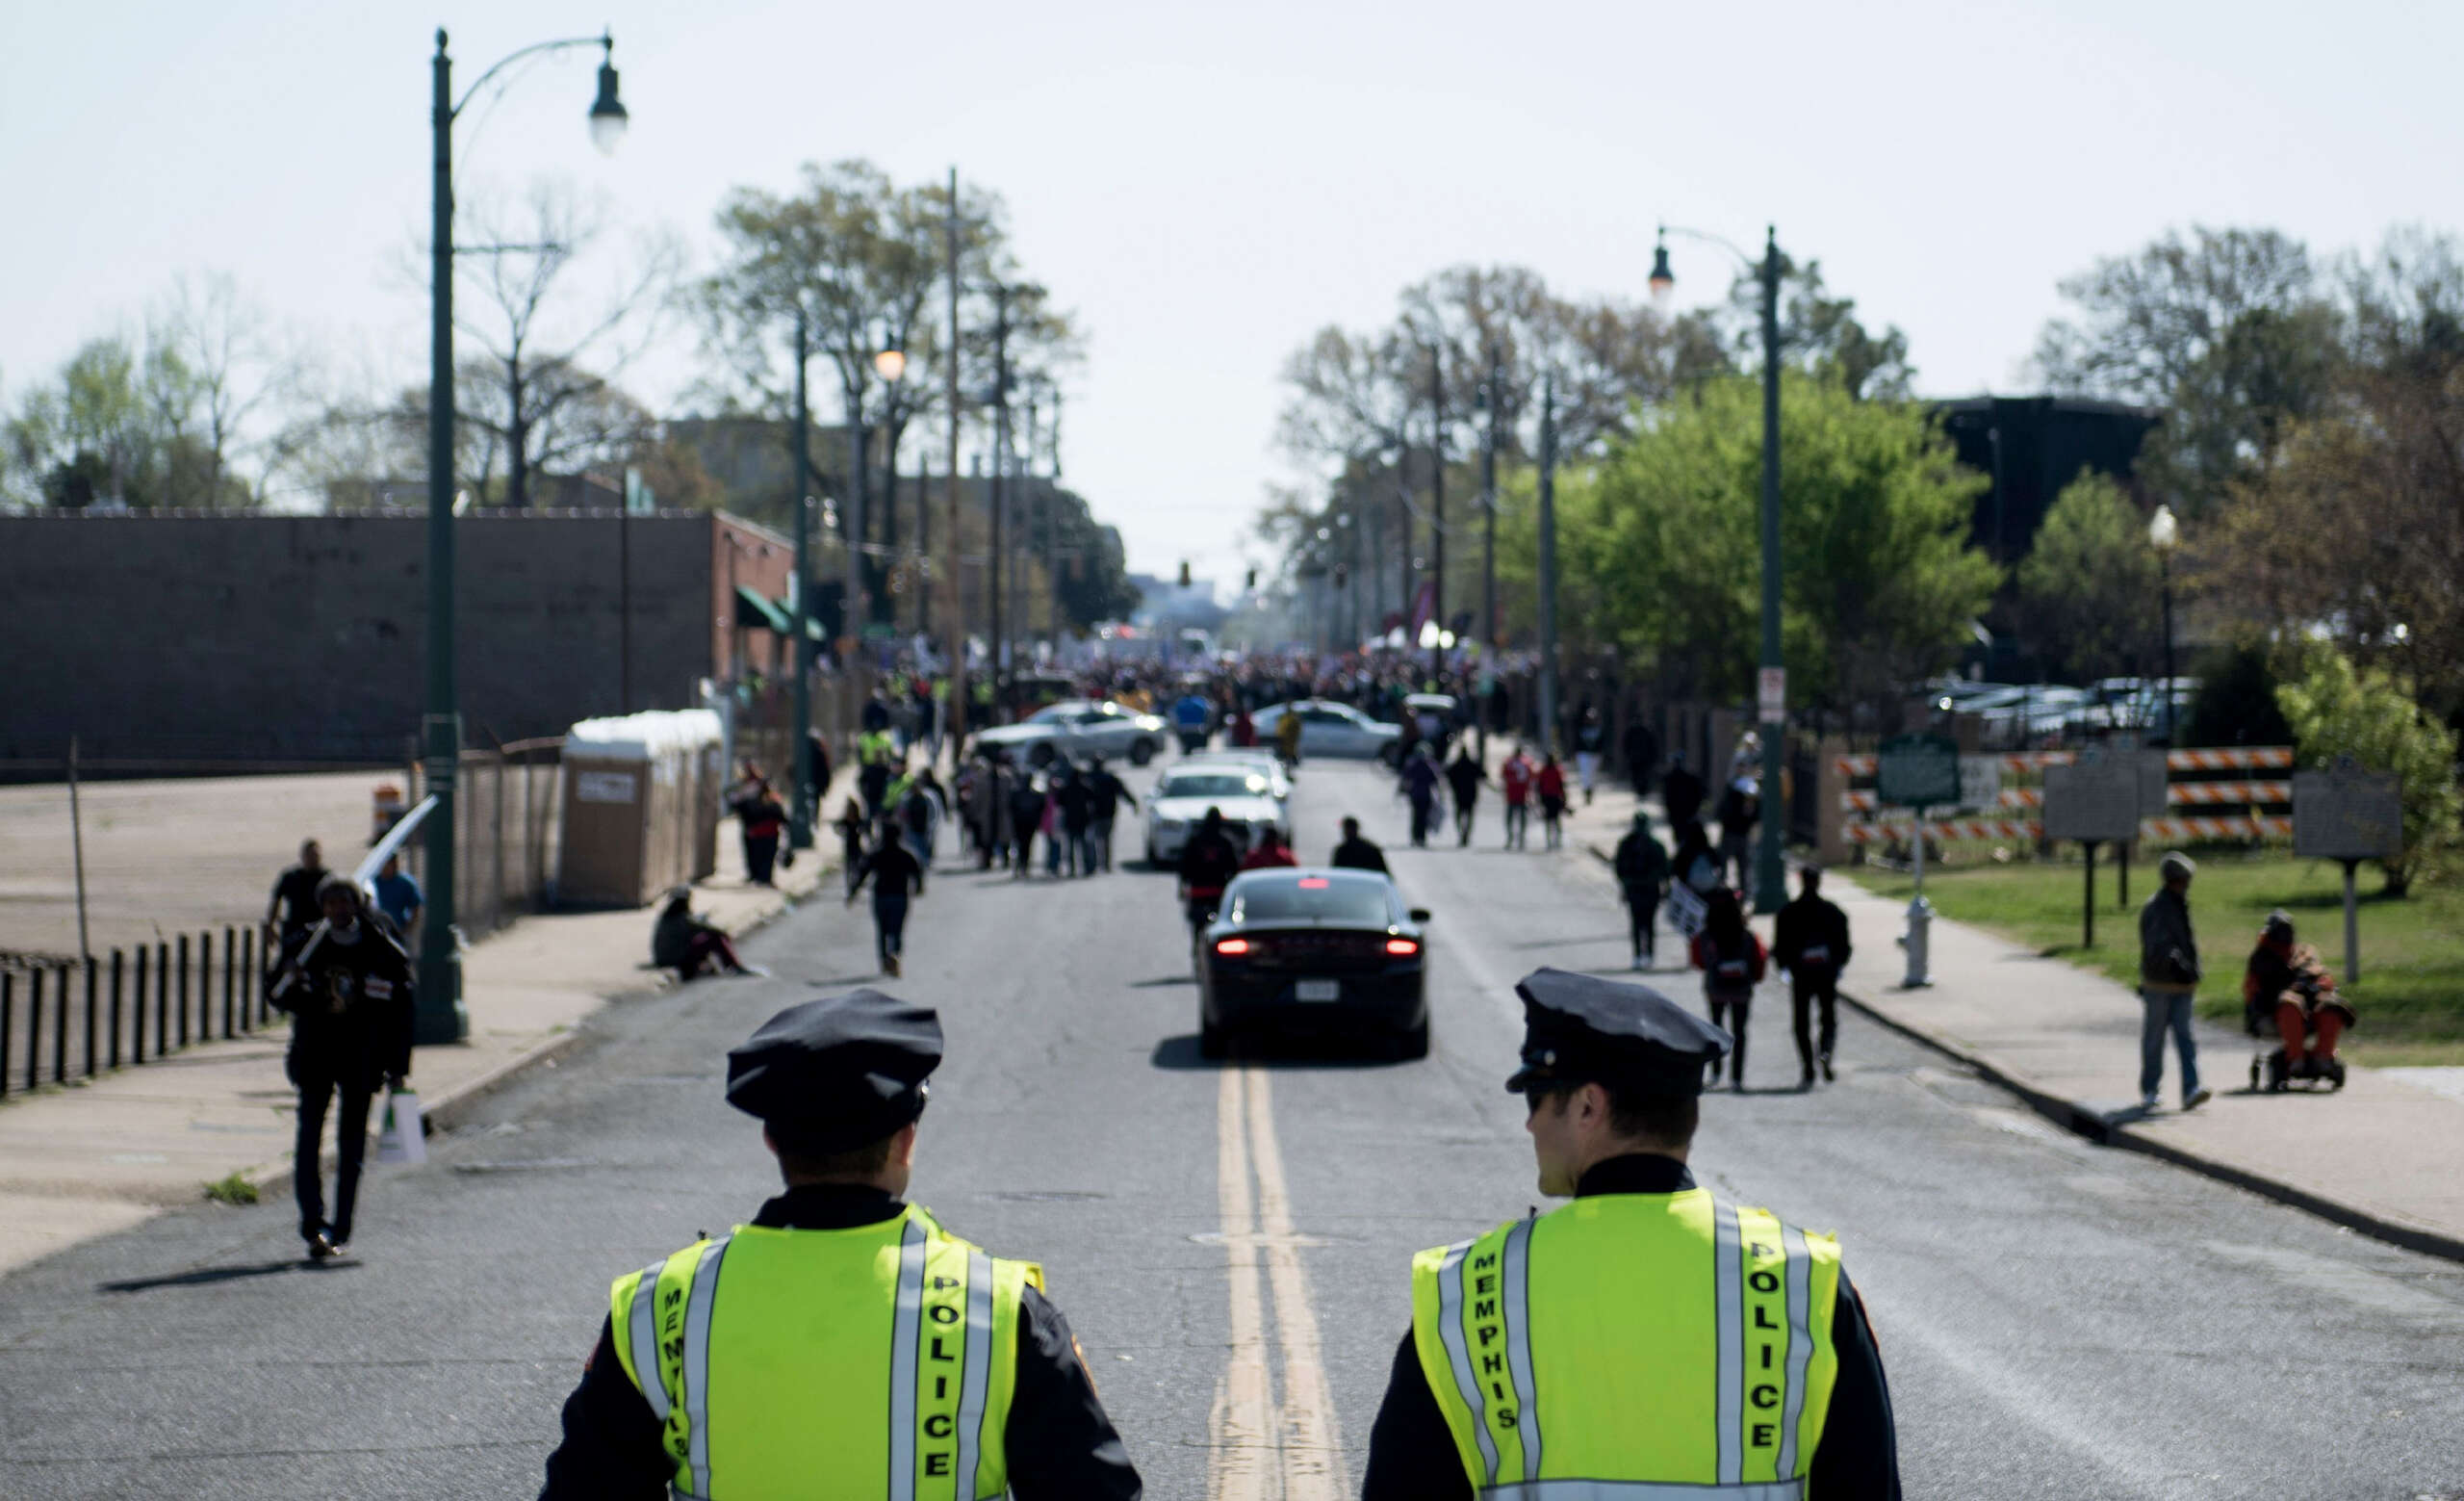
column 1714, row 1319
column 754, row 1355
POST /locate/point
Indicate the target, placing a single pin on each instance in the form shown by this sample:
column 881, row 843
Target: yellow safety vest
column 873, row 747
column 1637, row 1346
column 771, row 1347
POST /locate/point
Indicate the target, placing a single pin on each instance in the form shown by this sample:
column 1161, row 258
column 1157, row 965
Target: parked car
column 1330, row 729
column 1311, row 950
column 1078, row 728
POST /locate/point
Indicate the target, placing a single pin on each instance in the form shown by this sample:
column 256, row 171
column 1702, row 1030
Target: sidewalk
column 96, row 1157
column 2385, row 1155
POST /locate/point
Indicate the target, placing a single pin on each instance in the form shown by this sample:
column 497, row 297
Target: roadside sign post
column 1919, row 771
column 2095, row 800
column 2349, row 815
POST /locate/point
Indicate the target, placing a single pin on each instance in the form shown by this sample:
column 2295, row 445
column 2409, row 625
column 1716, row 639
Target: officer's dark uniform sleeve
column 1059, row 1442
column 612, row 1445
column 1858, row 1456
column 1411, row 1455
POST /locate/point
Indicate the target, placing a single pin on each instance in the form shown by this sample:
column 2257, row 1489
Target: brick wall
column 224, row 638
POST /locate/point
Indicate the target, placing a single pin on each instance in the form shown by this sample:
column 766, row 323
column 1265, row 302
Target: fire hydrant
column 1916, row 941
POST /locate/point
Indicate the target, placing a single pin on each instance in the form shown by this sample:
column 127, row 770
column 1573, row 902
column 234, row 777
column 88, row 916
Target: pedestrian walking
column 1550, row 784
column 759, row 819
column 1680, row 794
column 348, row 993
column 876, row 751
column 398, row 897
column 1028, row 806
column 1105, row 793
column 850, row 824
column 895, row 875
column 1269, row 853
column 1641, row 749
column 1642, row 879
column 817, row 766
column 1810, row 944
column 1191, row 715
column 293, row 907
column 1287, row 736
column 1733, row 962
column 1647, row 1340
column 1077, row 817
column 1056, row 783
column 1463, row 777
column 1589, row 736
column 762, row 1364
column 1740, row 808
column 1355, row 853
column 2169, row 976
column 1208, row 861
column 1514, row 781
column 1419, row 783
column 917, row 815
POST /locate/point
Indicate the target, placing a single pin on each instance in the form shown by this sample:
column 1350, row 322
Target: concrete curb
column 2085, row 1120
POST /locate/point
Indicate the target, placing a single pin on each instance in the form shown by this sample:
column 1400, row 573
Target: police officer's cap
column 839, row 1072
column 1582, row 1029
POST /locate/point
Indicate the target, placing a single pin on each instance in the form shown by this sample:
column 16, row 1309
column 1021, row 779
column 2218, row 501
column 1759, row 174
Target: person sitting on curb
column 2285, row 986
column 689, row 944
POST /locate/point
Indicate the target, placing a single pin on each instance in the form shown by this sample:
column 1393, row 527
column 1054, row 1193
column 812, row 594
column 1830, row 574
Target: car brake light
column 1313, row 883
column 1231, row 945
column 1403, row 948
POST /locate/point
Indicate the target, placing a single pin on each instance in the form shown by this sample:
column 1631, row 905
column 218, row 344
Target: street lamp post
column 2164, row 534
column 800, row 655
column 1770, row 871
column 440, row 1015
column 1548, row 562
column 889, row 362
column 1486, row 403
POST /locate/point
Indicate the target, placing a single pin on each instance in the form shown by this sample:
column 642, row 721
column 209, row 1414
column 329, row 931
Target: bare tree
column 552, row 343
column 234, row 369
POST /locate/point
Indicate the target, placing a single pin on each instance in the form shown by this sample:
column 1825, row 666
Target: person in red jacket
column 1515, row 779
column 1551, row 785
column 1272, row 851
column 1733, row 962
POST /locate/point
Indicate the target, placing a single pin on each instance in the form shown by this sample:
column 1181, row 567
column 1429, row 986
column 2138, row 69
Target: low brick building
column 203, row 638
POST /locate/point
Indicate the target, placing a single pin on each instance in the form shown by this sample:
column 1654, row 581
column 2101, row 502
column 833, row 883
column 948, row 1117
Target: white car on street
column 1183, row 795
column 1330, row 729
column 1079, row 727
column 1264, row 761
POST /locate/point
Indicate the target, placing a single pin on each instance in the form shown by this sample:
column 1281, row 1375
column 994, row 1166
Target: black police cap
column 839, row 1072
column 1582, row 1029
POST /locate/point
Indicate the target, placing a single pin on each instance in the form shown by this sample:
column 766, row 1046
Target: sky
column 1205, row 187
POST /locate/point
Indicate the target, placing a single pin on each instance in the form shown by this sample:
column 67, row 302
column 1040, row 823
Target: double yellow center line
column 1264, row 1450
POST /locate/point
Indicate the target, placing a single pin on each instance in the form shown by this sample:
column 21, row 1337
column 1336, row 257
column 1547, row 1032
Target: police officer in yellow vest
column 1647, row 1341
column 842, row 1344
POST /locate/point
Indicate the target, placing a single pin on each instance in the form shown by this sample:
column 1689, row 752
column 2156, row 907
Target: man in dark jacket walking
column 1463, row 777
column 2169, row 976
column 1642, row 875
column 1355, row 853
column 349, row 993
column 1809, row 941
column 894, row 873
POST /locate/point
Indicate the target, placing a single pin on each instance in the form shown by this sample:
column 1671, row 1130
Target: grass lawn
column 2411, row 995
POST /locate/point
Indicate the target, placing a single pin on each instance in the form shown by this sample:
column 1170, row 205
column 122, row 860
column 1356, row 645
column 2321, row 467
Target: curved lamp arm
column 605, row 40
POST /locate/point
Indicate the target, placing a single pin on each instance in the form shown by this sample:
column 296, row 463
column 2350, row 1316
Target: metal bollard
column 117, row 974
column 161, row 1000
column 93, row 979
column 60, row 1026
column 8, row 1024
column 230, row 983
column 1917, row 940
column 184, row 989
column 137, row 1011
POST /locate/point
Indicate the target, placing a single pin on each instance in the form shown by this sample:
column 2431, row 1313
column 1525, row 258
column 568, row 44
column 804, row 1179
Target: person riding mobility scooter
column 2285, row 988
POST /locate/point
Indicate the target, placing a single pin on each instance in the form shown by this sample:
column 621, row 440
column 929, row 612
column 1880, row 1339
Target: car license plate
column 1317, row 990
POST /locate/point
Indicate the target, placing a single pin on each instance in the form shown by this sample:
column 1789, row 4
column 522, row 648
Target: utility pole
column 1491, row 394
column 1548, row 562
column 1437, row 506
column 955, row 616
column 1000, row 489
column 800, row 809
column 441, row 1017
column 1770, row 875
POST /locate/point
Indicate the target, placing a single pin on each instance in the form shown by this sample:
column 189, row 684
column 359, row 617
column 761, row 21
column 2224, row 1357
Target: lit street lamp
column 2164, row 534
column 441, row 1017
column 1770, row 871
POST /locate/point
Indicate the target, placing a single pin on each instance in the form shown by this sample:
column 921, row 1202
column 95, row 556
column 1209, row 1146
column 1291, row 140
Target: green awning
column 752, row 609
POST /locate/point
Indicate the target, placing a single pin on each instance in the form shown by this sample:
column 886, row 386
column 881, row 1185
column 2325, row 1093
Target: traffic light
column 1343, row 575
column 1252, row 584
column 1185, row 573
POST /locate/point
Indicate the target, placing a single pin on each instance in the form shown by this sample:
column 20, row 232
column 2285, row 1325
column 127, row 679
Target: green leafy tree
column 1660, row 545
column 2337, row 711
column 2089, row 597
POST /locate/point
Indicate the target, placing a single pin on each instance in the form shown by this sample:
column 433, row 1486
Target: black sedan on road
column 1313, row 950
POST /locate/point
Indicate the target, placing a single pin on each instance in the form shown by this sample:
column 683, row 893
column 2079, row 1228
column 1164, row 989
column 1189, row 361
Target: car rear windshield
column 1214, row 783
column 1314, row 899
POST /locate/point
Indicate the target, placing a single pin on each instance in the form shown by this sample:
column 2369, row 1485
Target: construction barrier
column 1880, row 823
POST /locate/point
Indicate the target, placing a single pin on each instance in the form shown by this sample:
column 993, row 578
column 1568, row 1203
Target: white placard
column 1774, row 695
column 604, row 787
column 1980, row 782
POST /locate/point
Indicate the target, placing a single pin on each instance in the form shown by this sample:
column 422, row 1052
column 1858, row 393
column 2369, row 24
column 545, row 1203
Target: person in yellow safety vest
column 1646, row 1340
column 842, row 1344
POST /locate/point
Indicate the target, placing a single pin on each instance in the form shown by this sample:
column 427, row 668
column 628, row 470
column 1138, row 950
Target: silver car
column 1330, row 729
column 1078, row 728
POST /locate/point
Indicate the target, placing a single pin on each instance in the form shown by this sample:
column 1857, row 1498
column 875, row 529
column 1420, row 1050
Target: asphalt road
column 1232, row 1242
